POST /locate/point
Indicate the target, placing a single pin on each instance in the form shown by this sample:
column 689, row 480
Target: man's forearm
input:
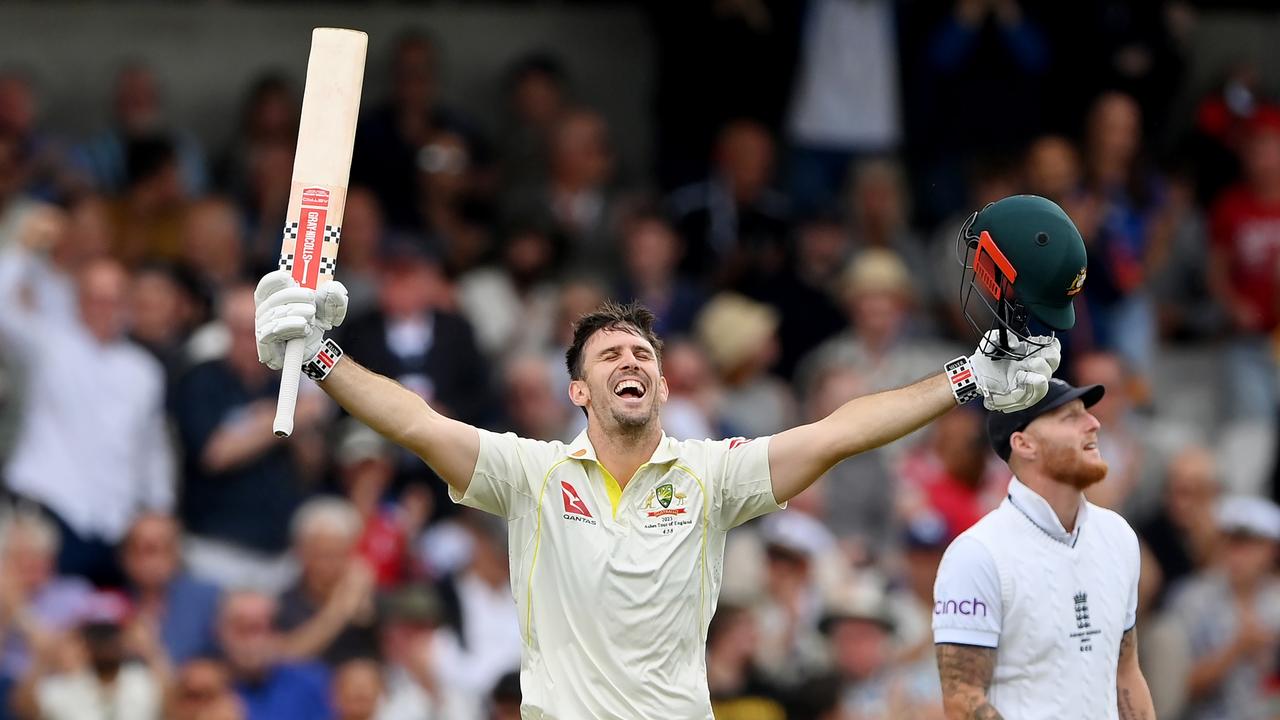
column 871, row 421
column 1134, row 699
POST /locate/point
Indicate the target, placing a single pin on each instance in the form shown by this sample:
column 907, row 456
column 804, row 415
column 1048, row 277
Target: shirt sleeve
column 1131, row 606
column 500, row 483
column 742, row 482
column 967, row 605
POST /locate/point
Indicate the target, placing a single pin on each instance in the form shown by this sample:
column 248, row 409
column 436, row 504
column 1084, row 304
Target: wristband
column 319, row 367
column 964, row 386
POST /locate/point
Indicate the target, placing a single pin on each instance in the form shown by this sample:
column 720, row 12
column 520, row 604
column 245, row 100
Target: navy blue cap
column 1002, row 426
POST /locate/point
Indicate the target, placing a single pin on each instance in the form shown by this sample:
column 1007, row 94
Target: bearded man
column 1035, row 605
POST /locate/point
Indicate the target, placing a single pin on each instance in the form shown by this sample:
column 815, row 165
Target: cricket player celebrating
column 1035, row 605
column 617, row 537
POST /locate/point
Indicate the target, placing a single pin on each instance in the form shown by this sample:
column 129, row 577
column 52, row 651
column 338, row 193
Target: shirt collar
column 1039, row 512
column 581, row 449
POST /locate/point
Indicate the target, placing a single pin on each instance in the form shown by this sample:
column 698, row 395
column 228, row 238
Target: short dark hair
column 631, row 317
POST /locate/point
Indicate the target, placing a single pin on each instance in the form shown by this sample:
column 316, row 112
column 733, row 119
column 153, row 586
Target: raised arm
column 799, row 456
column 1132, row 694
column 286, row 311
column 966, row 671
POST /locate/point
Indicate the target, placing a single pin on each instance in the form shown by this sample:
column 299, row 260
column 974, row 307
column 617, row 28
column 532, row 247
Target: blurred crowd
column 163, row 555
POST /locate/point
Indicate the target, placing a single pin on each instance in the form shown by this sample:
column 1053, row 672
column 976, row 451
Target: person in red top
column 1244, row 268
column 951, row 476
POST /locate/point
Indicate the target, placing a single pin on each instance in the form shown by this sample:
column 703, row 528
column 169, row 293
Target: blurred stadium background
column 781, row 181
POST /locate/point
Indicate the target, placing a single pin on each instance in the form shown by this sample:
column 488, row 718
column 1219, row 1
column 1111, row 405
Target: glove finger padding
column 283, row 329
column 271, row 283
column 331, row 305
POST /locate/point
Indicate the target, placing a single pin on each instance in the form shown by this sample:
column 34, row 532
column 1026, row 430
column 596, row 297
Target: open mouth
column 629, row 389
column 1091, row 445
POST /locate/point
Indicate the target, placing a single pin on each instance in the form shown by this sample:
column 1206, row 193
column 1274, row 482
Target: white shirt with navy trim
column 616, row 586
column 1053, row 603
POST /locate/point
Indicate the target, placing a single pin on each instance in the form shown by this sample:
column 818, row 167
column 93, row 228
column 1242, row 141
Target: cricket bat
column 321, row 168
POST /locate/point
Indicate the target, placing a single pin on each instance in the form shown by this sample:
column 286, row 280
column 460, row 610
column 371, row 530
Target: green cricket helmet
column 1024, row 259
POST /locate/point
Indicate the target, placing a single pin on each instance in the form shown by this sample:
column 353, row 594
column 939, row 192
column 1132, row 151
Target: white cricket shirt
column 1054, row 604
column 615, row 587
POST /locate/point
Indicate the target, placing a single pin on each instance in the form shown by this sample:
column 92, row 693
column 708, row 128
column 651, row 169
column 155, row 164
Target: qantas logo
column 574, row 507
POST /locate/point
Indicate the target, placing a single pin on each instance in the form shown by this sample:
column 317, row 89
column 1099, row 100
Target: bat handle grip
column 289, row 377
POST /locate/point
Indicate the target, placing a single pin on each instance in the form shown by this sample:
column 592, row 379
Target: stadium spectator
column 797, row 550
column 269, row 686
column 453, row 213
column 1183, row 535
column 43, row 170
column 88, row 675
column 485, row 641
column 365, row 466
column 357, row 690
column 846, row 99
column 35, row 603
column 733, row 223
column 652, row 253
column 164, row 597
column 879, row 210
column 1230, row 614
column 804, row 294
column 212, row 246
column 268, row 117
column 241, row 485
column 414, row 690
column 389, row 137
column 739, row 690
column 201, row 690
column 147, row 216
column 504, row 701
column 414, row 339
column 363, row 232
column 138, row 111
column 532, row 408
column 537, row 93
column 578, row 200
column 951, row 476
column 692, row 410
column 330, row 613
column 83, row 379
column 860, row 631
column 1243, row 260
column 163, row 313
column 512, row 304
column 740, row 338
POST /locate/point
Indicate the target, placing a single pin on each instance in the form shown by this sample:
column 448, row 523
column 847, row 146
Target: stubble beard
column 1072, row 467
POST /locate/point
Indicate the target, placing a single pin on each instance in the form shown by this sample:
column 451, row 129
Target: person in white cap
column 617, row 538
column 1035, row 605
column 1231, row 616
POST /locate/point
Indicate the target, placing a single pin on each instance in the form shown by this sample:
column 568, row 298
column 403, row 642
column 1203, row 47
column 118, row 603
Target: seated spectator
column 454, row 213
column 740, row 337
column 270, row 686
column 357, row 690
column 164, row 311
column 735, row 224
column 512, row 304
column 485, row 641
column 35, row 603
column 365, row 465
column 651, row 256
column 692, row 408
column 954, row 476
column 532, row 407
column 202, row 691
column 241, row 484
column 413, row 690
column 363, row 232
column 213, row 244
column 181, row 608
column 83, row 379
column 860, row 631
column 739, row 691
column 98, row 683
column 1230, row 614
column 577, row 200
column 147, row 217
column 330, row 614
column 1183, row 535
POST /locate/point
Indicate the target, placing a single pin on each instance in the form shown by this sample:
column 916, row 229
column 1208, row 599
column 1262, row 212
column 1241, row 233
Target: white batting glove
column 1009, row 385
column 286, row 311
